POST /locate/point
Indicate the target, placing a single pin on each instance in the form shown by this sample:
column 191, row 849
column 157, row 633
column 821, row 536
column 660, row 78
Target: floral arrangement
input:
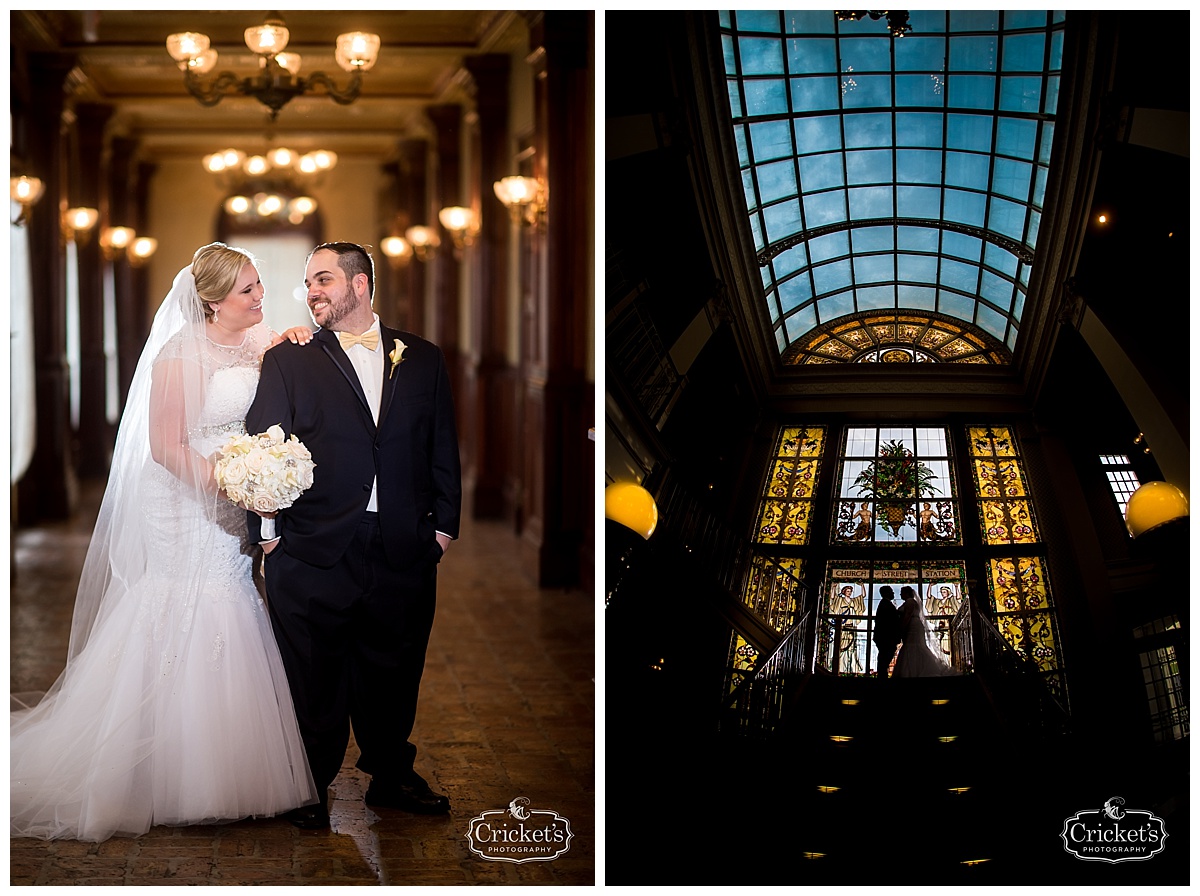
column 895, row 476
column 264, row 472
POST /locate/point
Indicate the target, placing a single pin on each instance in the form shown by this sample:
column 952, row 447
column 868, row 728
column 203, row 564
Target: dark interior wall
column 652, row 221
column 1079, row 403
column 1133, row 271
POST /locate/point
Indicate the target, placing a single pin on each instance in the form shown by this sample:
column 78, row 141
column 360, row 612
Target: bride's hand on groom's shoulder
column 298, row 335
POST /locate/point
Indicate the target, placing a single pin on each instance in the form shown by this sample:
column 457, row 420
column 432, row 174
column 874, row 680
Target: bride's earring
column 215, row 311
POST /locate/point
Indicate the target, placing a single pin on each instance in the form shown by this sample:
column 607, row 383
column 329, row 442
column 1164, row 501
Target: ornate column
column 447, row 189
column 48, row 490
column 490, row 379
column 94, row 428
column 558, row 398
column 412, row 166
column 121, row 213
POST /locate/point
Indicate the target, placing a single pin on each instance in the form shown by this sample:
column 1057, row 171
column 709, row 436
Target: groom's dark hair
column 353, row 259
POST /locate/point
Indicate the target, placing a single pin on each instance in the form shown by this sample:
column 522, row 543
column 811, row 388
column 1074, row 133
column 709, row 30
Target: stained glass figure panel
column 852, row 597
column 948, row 129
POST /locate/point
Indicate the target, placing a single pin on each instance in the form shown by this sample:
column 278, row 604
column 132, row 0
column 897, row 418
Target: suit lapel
column 389, row 337
column 328, row 341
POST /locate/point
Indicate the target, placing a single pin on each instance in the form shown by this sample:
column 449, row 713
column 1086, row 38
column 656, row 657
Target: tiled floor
column 507, row 710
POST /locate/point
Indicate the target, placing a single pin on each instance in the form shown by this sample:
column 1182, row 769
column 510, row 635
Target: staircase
column 809, row 778
column 897, row 779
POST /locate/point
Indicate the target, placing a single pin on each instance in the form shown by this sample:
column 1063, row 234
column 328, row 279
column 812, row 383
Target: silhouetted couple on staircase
column 906, row 627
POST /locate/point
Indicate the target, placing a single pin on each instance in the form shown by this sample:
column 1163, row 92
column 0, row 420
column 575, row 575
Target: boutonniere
column 397, row 355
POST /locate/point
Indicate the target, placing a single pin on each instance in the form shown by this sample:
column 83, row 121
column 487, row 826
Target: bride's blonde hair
column 215, row 268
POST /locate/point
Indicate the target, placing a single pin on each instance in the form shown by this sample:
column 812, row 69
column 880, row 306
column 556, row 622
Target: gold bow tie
column 369, row 340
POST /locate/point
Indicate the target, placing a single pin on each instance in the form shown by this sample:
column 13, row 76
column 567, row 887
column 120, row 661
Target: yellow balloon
column 1153, row 504
column 632, row 506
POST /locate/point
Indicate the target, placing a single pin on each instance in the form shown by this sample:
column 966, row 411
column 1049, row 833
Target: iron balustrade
column 771, row 593
column 1013, row 679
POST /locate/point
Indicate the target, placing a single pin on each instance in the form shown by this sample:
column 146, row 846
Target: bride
column 920, row 653
column 173, row 707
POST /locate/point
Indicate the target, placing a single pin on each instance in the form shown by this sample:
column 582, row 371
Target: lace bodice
column 230, row 379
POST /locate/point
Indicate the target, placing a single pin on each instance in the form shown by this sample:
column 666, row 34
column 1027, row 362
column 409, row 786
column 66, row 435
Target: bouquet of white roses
column 264, row 472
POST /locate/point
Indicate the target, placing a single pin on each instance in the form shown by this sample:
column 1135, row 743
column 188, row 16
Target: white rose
column 275, row 433
column 262, row 501
column 256, row 459
column 233, row 472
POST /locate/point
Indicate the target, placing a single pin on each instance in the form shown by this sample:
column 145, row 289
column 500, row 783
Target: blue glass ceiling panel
column 885, row 173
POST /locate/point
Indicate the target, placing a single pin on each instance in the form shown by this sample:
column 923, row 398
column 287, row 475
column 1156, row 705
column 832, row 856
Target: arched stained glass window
column 893, row 174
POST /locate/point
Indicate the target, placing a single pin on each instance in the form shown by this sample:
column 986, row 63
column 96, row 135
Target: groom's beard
column 341, row 305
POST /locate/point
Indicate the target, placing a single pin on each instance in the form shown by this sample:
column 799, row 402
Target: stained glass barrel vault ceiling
column 893, row 174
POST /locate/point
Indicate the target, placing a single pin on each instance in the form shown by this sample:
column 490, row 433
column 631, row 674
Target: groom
column 351, row 567
column 887, row 630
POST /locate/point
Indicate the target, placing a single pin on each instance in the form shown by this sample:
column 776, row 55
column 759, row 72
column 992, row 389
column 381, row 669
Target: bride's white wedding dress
column 918, row 658
column 176, row 709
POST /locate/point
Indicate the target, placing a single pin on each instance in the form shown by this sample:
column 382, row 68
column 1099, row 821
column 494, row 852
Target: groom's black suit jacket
column 887, row 625
column 313, row 392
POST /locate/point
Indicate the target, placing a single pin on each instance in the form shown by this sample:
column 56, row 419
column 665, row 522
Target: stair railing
column 755, row 707
column 746, row 581
column 1014, row 679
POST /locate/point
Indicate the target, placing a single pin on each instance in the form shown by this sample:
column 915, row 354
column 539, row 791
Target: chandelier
column 277, row 81
column 270, row 207
column 279, row 160
column 897, row 20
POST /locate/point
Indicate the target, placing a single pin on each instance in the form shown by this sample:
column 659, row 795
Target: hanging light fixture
column 236, row 162
column 281, row 206
column 897, row 20
column 1154, row 504
column 277, row 81
column 632, row 506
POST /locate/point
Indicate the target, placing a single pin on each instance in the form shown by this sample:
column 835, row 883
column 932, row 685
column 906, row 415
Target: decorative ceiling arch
column 893, row 174
column 898, row 337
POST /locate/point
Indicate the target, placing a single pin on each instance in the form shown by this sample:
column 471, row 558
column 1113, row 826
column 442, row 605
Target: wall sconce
column 115, row 240
column 141, row 249
column 77, row 222
column 424, row 241
column 461, row 224
column 26, row 191
column 524, row 197
column 276, row 83
column 397, row 249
